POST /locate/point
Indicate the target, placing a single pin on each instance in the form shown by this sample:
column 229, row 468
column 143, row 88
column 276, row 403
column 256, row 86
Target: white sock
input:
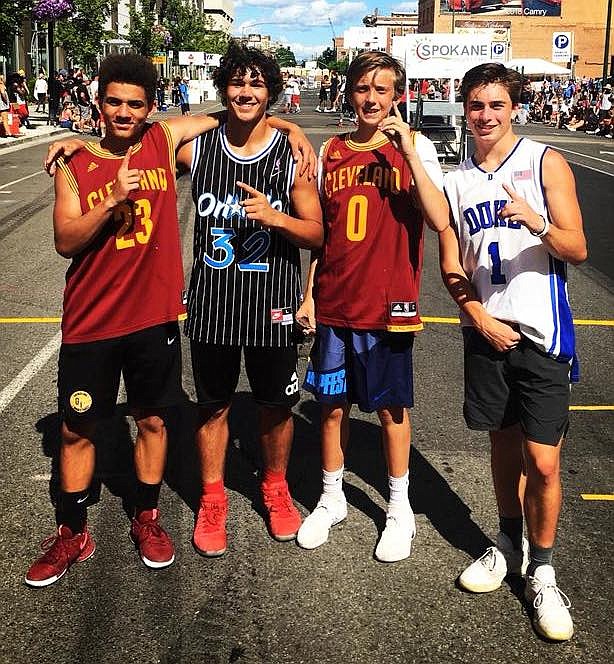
column 332, row 483
column 398, row 490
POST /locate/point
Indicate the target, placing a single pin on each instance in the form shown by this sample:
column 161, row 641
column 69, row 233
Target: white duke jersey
column 245, row 283
column 512, row 272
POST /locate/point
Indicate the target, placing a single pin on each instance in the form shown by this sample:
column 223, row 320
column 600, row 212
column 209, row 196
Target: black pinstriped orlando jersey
column 245, row 284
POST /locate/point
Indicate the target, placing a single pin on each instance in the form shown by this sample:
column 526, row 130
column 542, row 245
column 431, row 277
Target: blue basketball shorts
column 370, row 368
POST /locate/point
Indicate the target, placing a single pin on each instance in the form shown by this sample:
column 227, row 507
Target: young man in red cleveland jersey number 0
column 377, row 185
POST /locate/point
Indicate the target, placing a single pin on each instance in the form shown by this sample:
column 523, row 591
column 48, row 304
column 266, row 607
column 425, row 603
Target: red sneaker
column 61, row 551
column 284, row 519
column 154, row 543
column 210, row 528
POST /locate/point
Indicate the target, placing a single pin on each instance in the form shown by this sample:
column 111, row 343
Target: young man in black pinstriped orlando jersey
column 253, row 212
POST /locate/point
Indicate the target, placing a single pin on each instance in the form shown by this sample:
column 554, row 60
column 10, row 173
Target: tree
column 328, row 58
column 285, row 57
column 82, row 34
column 191, row 31
column 141, row 34
column 12, row 15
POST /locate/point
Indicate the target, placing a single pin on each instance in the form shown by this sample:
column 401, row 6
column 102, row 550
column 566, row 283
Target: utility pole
column 606, row 48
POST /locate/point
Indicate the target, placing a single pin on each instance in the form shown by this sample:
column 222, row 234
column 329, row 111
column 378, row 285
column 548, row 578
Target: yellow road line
column 425, row 319
column 30, row 320
column 591, row 407
column 577, row 321
column 597, row 496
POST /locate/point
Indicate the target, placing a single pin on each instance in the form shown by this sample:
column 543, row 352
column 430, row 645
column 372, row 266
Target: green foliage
column 328, row 58
column 340, row 66
column 141, row 34
column 285, row 57
column 190, row 30
column 12, row 15
column 82, row 33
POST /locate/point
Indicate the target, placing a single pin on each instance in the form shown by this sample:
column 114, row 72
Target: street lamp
column 606, row 48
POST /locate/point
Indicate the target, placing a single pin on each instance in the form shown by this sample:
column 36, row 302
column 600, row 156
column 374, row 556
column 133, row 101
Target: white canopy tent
column 532, row 66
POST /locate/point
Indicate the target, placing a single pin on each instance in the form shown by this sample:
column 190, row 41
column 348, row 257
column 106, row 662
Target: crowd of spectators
column 582, row 104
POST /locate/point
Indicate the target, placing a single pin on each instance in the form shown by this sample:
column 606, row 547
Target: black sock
column 71, row 510
column 538, row 556
column 146, row 497
column 512, row 527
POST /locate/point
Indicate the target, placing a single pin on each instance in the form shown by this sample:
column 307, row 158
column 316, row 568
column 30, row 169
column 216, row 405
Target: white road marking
column 26, row 177
column 6, row 191
column 29, row 371
column 586, row 156
column 605, row 152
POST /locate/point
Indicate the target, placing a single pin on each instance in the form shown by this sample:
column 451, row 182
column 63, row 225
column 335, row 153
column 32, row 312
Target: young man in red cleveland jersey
column 377, row 185
column 115, row 216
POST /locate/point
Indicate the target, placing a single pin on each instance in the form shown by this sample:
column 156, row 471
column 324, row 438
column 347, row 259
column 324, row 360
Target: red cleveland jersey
column 131, row 276
column 368, row 276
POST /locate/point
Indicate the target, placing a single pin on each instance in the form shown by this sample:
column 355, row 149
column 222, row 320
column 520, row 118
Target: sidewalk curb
column 37, row 137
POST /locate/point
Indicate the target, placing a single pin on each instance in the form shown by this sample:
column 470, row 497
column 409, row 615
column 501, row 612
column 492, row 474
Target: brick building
column 530, row 36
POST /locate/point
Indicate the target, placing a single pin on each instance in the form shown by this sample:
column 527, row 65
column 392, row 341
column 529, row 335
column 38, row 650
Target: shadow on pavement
column 430, row 493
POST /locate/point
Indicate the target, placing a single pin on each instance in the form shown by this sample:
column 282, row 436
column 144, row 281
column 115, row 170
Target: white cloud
column 260, row 3
column 405, row 7
column 318, row 13
column 304, row 51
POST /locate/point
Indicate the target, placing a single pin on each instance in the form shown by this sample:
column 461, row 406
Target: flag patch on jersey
column 92, row 167
column 522, row 175
column 283, row 316
column 403, row 309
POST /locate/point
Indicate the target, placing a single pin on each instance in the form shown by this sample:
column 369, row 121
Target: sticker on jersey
column 282, row 316
column 522, row 175
column 80, row 401
column 292, row 388
column 403, row 309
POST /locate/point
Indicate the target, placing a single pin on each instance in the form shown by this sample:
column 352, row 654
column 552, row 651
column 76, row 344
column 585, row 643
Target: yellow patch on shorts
column 80, row 401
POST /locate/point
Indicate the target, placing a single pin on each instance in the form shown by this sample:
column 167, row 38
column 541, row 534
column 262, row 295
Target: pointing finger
column 126, row 160
column 248, row 189
column 395, row 106
column 511, row 192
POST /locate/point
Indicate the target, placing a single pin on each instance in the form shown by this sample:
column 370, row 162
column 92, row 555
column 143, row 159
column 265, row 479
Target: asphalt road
column 270, row 602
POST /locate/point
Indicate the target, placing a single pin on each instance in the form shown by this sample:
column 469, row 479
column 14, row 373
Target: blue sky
column 304, row 26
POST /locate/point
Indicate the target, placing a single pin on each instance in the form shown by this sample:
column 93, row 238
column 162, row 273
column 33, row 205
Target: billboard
column 506, row 7
column 427, row 55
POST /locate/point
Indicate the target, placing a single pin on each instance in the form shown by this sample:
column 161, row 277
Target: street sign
column 562, row 46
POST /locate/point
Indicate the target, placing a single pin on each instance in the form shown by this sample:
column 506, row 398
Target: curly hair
column 492, row 72
column 240, row 59
column 368, row 61
column 128, row 68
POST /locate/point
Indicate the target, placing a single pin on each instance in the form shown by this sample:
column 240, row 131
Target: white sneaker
column 315, row 528
column 551, row 617
column 488, row 571
column 395, row 542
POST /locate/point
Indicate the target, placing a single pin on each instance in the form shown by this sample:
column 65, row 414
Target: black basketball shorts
column 89, row 373
column 271, row 372
column 523, row 386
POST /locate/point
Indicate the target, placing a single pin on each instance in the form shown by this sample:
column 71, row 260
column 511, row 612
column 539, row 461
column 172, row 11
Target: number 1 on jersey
column 496, row 276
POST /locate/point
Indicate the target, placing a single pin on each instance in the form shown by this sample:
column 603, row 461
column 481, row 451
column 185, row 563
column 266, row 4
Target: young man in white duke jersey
column 515, row 224
column 253, row 212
